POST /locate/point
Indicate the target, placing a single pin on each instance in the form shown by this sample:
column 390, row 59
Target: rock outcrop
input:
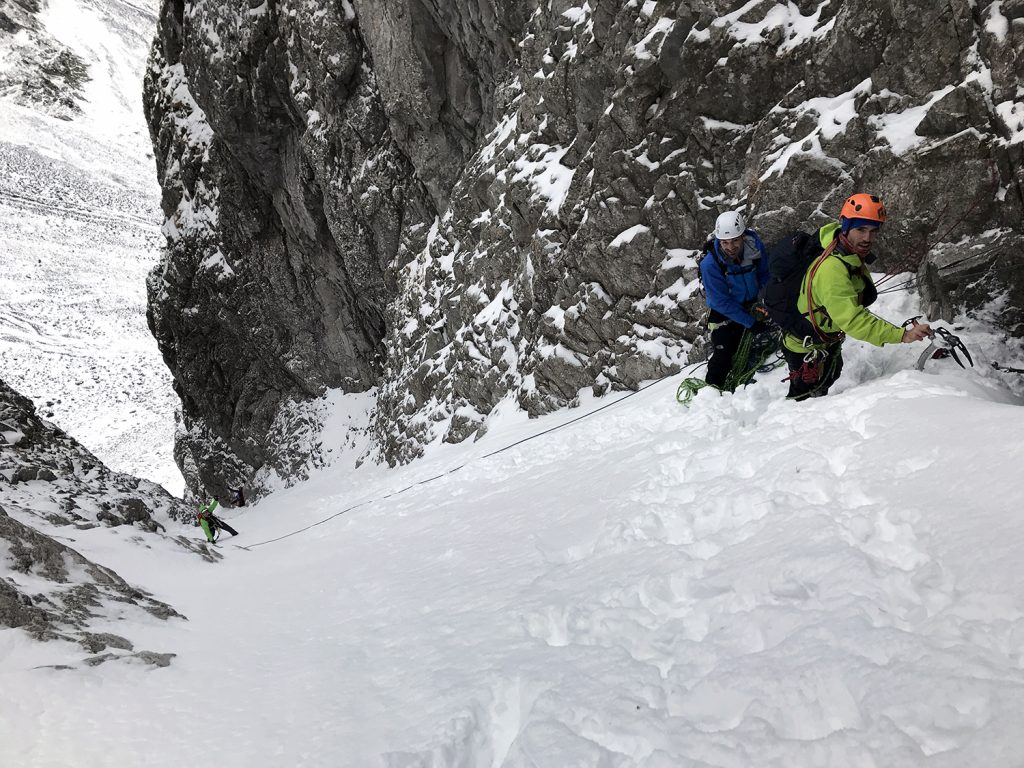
column 77, row 591
column 286, row 196
column 466, row 203
column 48, row 482
column 80, row 490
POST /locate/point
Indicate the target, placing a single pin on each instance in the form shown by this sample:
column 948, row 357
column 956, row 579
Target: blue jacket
column 731, row 288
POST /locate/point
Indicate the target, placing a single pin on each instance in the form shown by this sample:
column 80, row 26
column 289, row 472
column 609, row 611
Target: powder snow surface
column 79, row 229
column 745, row 582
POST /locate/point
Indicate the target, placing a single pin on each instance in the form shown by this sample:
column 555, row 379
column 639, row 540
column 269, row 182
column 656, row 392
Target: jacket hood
column 828, row 233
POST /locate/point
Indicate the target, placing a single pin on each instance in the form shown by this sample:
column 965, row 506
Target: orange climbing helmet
column 863, row 206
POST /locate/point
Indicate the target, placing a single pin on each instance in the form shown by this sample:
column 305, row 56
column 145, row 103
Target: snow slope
column 745, row 582
column 79, row 229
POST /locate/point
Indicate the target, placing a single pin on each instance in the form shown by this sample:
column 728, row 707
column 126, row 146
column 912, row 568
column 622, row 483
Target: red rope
column 808, row 373
column 810, row 295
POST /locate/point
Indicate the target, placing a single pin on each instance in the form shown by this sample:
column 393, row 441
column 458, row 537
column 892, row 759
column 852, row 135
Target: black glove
column 760, row 327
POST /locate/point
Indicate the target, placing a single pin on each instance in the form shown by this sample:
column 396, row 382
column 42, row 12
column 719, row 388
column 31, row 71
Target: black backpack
column 707, row 253
column 788, row 262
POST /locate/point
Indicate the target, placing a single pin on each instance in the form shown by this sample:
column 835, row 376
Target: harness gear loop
column 812, row 355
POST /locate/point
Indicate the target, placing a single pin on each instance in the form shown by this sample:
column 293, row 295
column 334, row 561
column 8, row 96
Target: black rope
column 904, row 286
column 1006, row 368
column 909, row 261
column 454, row 470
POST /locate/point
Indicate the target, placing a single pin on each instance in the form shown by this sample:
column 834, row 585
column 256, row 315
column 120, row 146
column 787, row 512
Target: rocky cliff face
column 462, row 203
column 49, row 484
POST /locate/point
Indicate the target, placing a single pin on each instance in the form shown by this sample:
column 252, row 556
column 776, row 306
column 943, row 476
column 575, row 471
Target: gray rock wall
column 469, row 202
column 285, row 196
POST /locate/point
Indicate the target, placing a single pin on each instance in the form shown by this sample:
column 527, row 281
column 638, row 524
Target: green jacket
column 205, row 510
column 838, row 290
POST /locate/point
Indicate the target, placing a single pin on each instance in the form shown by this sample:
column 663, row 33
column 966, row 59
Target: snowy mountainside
column 749, row 581
column 80, row 225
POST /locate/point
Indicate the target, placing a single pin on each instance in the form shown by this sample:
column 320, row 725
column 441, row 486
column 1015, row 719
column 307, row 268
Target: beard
column 862, row 248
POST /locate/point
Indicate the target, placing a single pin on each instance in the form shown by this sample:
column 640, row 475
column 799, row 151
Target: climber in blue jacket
column 733, row 270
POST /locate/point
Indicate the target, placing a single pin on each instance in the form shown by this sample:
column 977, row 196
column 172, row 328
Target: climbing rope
column 906, row 285
column 688, row 388
column 451, row 471
column 752, row 356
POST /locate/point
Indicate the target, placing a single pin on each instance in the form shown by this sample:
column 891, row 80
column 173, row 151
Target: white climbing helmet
column 729, row 225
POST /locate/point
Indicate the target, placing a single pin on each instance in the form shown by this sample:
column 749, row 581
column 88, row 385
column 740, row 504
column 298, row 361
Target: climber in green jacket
column 834, row 293
column 210, row 523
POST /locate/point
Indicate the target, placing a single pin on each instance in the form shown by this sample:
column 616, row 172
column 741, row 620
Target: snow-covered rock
column 49, row 481
column 36, row 69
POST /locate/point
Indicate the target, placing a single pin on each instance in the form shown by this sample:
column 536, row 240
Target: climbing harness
column 810, row 370
column 817, row 368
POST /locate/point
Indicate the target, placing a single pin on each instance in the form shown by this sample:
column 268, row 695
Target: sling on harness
column 809, row 372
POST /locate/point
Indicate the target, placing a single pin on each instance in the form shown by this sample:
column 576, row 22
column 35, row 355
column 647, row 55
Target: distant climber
column 733, row 270
column 210, row 523
column 819, row 292
column 237, row 497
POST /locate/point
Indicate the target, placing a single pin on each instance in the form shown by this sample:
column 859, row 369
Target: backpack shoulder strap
column 709, row 252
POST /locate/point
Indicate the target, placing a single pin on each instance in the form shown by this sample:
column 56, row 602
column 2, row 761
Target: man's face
column 733, row 247
column 861, row 239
